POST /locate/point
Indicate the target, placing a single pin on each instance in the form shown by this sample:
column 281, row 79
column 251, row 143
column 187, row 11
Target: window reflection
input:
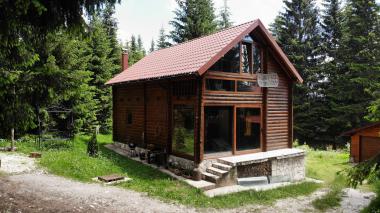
column 183, row 129
column 230, row 62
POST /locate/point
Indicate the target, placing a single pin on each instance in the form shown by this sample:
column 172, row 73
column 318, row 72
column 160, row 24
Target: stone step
column 221, row 166
column 201, row 184
column 261, row 180
column 221, row 161
column 210, row 177
column 216, row 171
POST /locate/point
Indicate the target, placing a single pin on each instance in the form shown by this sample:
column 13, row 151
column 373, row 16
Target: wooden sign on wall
column 267, row 80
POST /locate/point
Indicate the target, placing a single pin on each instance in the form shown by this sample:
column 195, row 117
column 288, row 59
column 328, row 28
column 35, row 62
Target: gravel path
column 26, row 188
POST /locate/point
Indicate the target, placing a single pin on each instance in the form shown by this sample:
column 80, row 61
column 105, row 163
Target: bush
column 92, row 146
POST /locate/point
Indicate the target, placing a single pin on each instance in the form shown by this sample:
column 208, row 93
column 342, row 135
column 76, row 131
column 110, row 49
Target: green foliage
column 162, row 41
column 179, row 135
column 224, row 17
column 76, row 164
column 374, row 206
column 297, row 29
column 152, row 46
column 193, row 18
column 92, row 146
column 363, row 171
column 136, row 50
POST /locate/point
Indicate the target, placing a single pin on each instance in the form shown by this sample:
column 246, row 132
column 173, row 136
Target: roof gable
column 196, row 56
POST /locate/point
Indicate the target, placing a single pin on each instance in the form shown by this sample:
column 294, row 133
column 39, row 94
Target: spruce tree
column 224, row 17
column 100, row 64
column 152, row 46
column 331, row 35
column 297, row 30
column 110, row 24
column 162, row 39
column 135, row 50
column 193, row 18
column 361, row 68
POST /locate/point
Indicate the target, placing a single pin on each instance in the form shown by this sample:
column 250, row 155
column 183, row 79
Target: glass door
column 248, row 129
column 218, row 129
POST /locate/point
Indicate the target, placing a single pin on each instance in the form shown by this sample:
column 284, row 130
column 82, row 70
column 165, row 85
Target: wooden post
column 265, row 101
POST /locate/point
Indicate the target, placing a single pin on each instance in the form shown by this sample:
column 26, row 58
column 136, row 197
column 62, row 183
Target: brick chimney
column 124, row 60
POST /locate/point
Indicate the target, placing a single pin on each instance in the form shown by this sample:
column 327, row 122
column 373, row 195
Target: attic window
column 256, row 58
column 230, row 62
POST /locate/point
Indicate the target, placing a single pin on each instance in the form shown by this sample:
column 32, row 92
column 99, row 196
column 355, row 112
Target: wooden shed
column 365, row 142
column 221, row 95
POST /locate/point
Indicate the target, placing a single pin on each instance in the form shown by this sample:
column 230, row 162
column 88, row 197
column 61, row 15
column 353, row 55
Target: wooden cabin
column 221, row 95
column 365, row 142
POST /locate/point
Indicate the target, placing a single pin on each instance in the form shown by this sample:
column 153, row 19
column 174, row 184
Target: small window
column 247, row 86
column 230, row 62
column 129, row 118
column 220, row 85
column 256, row 58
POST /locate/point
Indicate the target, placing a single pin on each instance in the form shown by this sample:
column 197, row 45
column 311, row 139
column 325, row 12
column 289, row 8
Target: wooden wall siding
column 157, row 114
column 128, row 99
column 277, row 109
column 355, row 141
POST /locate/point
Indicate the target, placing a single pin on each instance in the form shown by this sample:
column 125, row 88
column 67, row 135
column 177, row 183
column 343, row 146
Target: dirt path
column 26, row 188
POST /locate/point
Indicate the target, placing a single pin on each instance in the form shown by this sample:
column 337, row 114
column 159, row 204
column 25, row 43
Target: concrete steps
column 216, row 171
column 221, row 166
column 210, row 177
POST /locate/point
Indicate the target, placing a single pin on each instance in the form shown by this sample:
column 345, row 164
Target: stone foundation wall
column 205, row 164
column 293, row 168
column 181, row 162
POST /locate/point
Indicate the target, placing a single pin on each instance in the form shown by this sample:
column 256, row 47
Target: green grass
column 374, row 206
column 74, row 163
column 325, row 165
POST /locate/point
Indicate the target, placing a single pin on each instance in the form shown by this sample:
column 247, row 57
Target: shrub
column 92, row 146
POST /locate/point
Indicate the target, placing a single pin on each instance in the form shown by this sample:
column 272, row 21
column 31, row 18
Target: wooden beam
column 114, row 109
column 145, row 117
column 290, row 114
column 170, row 116
column 265, row 102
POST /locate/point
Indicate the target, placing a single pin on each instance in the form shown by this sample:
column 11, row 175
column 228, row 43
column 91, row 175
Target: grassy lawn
column 324, row 165
column 75, row 164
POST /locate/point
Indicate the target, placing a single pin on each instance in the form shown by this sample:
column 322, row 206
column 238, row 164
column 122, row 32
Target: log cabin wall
column 157, row 113
column 279, row 110
column 128, row 100
column 355, row 141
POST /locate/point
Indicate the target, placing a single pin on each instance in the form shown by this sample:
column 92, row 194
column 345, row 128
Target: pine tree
column 100, row 64
column 140, row 45
column 110, row 25
column 152, row 46
column 162, row 39
column 193, row 18
column 297, row 30
column 361, row 68
column 332, row 35
column 135, row 50
column 224, row 17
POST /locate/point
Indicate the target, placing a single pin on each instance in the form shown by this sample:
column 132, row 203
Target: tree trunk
column 12, row 139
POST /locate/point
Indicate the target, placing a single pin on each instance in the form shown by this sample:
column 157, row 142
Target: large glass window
column 220, row 85
column 218, row 129
column 230, row 62
column 256, row 58
column 183, row 129
column 247, row 128
column 246, row 56
column 247, row 86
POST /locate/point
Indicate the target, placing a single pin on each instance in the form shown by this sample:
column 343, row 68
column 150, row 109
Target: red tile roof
column 194, row 57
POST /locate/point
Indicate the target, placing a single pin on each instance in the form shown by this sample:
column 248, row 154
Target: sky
column 146, row 17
